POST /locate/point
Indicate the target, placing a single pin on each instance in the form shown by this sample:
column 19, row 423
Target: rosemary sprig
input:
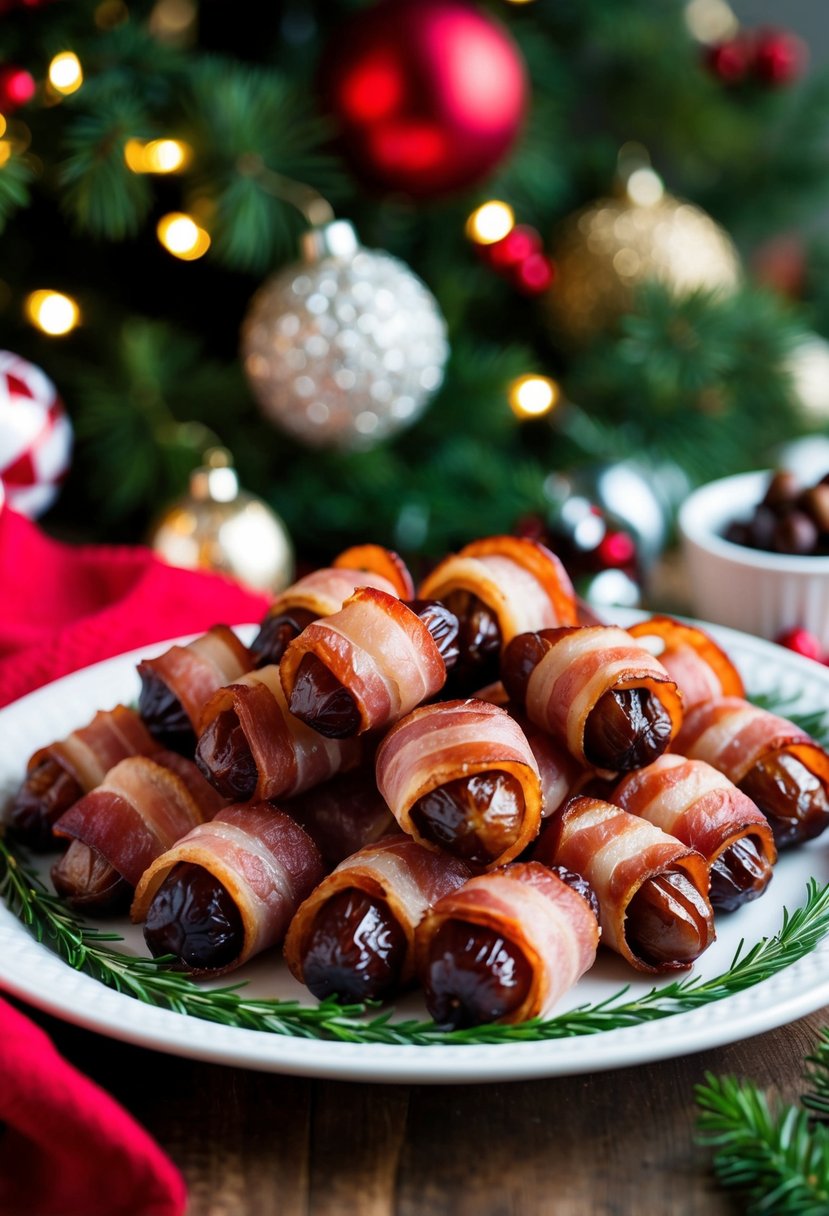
column 151, row 980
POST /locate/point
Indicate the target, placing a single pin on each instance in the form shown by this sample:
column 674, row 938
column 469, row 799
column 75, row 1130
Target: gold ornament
column 216, row 526
column 611, row 247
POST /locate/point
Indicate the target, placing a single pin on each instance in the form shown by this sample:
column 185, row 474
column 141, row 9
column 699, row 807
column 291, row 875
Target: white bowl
column 761, row 593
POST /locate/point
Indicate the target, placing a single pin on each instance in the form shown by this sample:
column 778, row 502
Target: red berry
column 17, row 86
column 514, row 248
column 617, row 549
column 802, row 642
column 730, row 61
column 779, row 57
column 534, row 275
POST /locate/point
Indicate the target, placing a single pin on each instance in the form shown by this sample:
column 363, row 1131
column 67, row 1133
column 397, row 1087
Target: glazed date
column 519, row 661
column 626, row 729
column 193, row 917
column 45, row 794
column 224, row 758
column 580, row 885
column 163, row 714
column 473, row 975
column 276, row 631
column 668, row 921
column 475, row 818
column 85, row 879
column 792, row 798
column 478, row 641
column 355, row 949
column 739, row 874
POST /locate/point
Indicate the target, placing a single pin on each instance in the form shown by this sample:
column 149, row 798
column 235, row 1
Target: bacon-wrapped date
column 697, row 804
column 776, row 763
column 699, row 667
column 143, row 805
column 60, row 774
column 354, row 935
column 598, row 692
column 461, row 776
column 343, row 814
column 505, row 946
column 652, row 889
column 176, row 684
column 364, row 667
column 498, row 587
column 228, row 889
column 252, row 747
column 323, row 592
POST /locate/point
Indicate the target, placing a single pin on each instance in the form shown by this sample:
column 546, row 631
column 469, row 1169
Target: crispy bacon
column 263, row 859
column 525, row 903
column 193, row 672
column 343, row 814
column 89, row 753
column 698, row 666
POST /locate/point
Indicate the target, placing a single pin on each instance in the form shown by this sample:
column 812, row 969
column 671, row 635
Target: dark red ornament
column 513, row 249
column 534, row 275
column 429, row 95
column 616, row 549
column 17, row 86
column 801, row 641
column 730, row 61
column 779, row 58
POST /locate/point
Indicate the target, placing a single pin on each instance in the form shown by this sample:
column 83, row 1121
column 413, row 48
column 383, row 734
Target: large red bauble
column 429, row 95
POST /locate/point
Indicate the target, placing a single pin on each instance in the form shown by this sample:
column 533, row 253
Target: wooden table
column 609, row 1144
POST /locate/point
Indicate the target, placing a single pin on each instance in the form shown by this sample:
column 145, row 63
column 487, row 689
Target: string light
column 52, row 312
column 533, row 396
column 157, row 156
column 182, row 237
column 65, row 73
column 490, row 222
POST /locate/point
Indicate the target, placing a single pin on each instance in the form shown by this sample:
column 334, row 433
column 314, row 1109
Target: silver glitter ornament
column 346, row 347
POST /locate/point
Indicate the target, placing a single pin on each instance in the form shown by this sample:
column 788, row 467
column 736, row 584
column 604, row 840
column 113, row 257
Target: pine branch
column 15, row 178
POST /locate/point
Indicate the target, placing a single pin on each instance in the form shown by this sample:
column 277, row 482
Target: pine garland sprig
column 151, row 981
column 777, row 1160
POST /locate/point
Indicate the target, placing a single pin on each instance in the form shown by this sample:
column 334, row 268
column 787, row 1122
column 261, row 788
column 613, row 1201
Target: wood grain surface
column 611, row 1144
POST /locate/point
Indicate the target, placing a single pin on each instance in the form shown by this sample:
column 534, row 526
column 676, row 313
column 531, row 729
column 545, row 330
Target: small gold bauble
column 216, row 526
column 611, row 247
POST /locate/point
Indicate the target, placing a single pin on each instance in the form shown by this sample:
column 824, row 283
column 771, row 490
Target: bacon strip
column 579, row 666
column 697, row 804
column 440, row 743
column 526, row 903
column 343, row 815
column 140, row 809
column 378, row 649
column 194, row 672
column 89, row 753
column 408, row 877
column 522, row 582
column 290, row 757
column 324, row 591
column 263, row 859
column 616, row 852
column 700, row 669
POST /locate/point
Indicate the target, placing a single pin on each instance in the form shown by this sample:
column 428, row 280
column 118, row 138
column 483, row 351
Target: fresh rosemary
column 151, row 981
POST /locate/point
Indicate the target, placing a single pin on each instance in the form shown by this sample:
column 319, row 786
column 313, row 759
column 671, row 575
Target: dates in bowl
column 756, row 552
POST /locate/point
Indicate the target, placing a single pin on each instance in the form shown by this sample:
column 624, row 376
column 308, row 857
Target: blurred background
column 279, row 280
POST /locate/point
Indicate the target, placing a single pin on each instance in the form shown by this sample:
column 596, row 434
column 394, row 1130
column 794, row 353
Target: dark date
column 224, row 757
column 85, row 879
column 442, row 624
column 793, row 799
column 193, row 917
column 581, row 886
column 473, row 975
column 739, row 874
column 520, row 659
column 355, row 950
column 475, row 818
column 276, row 631
column 478, row 641
column 45, row 794
column 626, row 729
column 668, row 921
column 163, row 714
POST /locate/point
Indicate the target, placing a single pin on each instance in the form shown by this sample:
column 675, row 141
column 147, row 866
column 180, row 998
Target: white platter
column 34, row 973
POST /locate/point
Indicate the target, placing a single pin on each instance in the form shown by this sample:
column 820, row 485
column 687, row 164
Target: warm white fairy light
column 52, row 312
column 182, row 236
column 157, row 155
column 533, row 396
column 65, row 73
column 490, row 222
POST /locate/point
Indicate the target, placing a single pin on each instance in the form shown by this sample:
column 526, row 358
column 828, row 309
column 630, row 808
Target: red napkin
column 67, row 1148
column 63, row 607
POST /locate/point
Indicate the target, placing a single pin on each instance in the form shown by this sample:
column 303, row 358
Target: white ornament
column 808, row 366
column 35, row 436
column 345, row 348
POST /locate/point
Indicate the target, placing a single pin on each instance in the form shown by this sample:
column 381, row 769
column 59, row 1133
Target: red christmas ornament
column 730, row 61
column 801, row 641
column 513, row 249
column 616, row 549
column 17, row 86
column 35, row 436
column 779, row 57
column 429, row 95
column 534, row 275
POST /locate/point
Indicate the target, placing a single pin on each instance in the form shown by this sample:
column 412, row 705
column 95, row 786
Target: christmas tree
column 578, row 219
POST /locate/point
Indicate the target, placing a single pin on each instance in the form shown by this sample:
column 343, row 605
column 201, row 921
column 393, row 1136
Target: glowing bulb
column 533, row 396
column 5, row 151
column 52, row 312
column 157, row 156
column 644, row 187
column 490, row 222
column 182, row 237
column 66, row 73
